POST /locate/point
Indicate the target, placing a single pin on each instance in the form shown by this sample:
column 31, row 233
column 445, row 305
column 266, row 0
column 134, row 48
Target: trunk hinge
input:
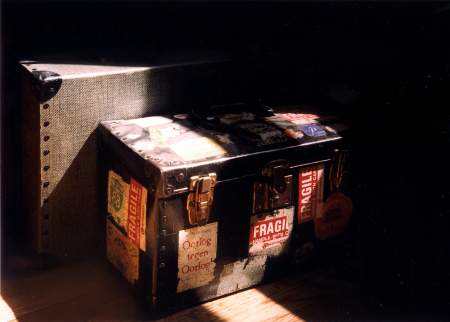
column 200, row 198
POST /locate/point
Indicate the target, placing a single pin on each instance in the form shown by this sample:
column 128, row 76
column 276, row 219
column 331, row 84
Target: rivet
column 180, row 177
column 46, row 168
column 46, row 152
column 46, row 123
column 46, row 106
column 46, row 138
column 163, row 248
column 46, row 184
column 162, row 265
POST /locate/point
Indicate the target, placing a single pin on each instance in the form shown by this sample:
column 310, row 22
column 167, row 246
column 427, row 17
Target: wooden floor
column 92, row 291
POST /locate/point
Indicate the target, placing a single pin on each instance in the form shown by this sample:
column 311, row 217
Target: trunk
column 200, row 212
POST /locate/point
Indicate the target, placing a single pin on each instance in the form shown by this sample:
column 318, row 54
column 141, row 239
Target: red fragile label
column 310, row 192
column 134, row 211
column 270, row 230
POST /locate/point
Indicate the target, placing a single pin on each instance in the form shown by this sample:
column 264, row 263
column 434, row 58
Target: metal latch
column 274, row 190
column 200, row 198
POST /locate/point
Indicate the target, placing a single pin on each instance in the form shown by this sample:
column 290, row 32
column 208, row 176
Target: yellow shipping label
column 122, row 253
column 197, row 249
column 118, row 199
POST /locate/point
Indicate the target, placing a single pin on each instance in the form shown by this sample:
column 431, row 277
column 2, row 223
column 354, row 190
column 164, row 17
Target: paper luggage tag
column 335, row 216
column 197, row 248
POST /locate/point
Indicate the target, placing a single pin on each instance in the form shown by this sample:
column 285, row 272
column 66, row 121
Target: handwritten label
column 310, row 192
column 197, row 249
column 269, row 233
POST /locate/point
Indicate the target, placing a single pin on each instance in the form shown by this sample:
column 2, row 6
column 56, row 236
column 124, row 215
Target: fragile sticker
column 137, row 207
column 270, row 232
column 122, row 253
column 310, row 192
column 197, row 149
column 127, row 205
column 197, row 248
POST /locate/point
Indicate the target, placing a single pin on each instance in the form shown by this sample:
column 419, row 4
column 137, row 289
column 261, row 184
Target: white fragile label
column 197, row 249
column 270, row 232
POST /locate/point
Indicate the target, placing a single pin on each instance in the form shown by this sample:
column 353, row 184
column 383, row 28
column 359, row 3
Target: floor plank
column 93, row 291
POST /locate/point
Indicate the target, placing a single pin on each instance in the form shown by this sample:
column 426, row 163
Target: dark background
column 384, row 66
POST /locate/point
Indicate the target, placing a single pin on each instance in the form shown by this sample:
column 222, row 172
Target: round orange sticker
column 335, row 217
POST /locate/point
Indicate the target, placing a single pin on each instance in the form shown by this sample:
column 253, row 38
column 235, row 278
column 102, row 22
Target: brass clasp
column 200, row 198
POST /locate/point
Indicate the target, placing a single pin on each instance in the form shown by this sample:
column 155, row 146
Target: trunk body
column 201, row 213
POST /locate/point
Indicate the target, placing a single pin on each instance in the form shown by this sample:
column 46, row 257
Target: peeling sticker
column 162, row 135
column 265, row 133
column 242, row 274
column 270, row 232
column 197, row 249
column 297, row 118
column 237, row 117
column 118, row 198
column 197, row 149
column 310, row 192
column 122, row 253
